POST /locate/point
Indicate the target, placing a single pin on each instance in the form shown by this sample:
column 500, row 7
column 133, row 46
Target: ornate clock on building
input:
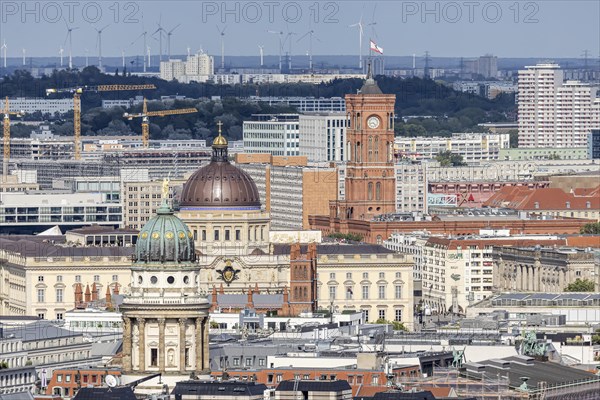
column 373, row 122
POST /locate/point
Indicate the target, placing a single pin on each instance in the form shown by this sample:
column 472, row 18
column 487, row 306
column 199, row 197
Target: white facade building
column 472, row 147
column 322, row 136
column 31, row 105
column 277, row 134
column 553, row 113
column 198, row 67
column 411, row 187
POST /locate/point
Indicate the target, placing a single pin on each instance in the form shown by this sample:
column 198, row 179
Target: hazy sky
column 446, row 28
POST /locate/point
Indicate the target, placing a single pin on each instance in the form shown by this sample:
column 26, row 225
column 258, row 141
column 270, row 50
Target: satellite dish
column 110, row 381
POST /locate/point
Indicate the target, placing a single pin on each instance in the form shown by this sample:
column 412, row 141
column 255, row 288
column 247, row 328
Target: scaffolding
column 484, row 386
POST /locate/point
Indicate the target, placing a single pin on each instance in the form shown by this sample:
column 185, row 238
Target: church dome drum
column 220, row 185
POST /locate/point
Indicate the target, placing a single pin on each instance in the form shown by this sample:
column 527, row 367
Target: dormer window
column 568, row 205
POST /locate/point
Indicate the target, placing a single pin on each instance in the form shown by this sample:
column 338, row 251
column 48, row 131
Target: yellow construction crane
column 7, row 114
column 145, row 114
column 77, row 91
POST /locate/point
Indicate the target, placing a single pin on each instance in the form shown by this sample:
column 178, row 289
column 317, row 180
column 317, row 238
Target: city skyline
column 400, row 28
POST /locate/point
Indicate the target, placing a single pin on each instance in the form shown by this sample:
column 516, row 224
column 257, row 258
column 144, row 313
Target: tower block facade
column 370, row 179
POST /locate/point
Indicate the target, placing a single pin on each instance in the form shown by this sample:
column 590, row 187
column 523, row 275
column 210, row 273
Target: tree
column 554, row 156
column 513, row 135
column 593, row 228
column 581, row 285
column 396, row 325
column 449, row 159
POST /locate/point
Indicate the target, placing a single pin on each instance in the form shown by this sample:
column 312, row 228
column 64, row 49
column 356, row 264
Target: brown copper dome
column 220, row 185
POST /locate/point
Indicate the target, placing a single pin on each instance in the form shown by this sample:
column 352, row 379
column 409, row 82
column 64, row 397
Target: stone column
column 519, row 283
column 198, row 344
column 182, row 365
column 205, row 347
column 127, row 344
column 161, row 344
column 142, row 344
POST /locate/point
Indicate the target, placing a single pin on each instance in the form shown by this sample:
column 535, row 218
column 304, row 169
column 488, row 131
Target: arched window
column 358, row 155
column 370, row 149
column 377, row 191
column 370, row 191
column 296, row 293
column 376, row 149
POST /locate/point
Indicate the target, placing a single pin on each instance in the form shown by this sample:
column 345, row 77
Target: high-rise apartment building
column 322, row 136
column 553, row 113
column 276, row 134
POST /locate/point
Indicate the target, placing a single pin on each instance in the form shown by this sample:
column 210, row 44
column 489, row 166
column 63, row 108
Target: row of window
column 365, row 275
column 365, row 289
column 59, row 278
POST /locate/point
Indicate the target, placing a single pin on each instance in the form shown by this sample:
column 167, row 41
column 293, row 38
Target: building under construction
column 517, row 377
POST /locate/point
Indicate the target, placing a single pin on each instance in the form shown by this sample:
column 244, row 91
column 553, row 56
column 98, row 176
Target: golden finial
column 220, row 140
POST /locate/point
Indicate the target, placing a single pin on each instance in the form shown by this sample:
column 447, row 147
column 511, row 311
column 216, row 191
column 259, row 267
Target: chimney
column 94, row 292
column 214, row 303
column 78, row 295
column 88, row 294
column 249, row 302
column 221, row 290
column 116, row 289
column 108, row 297
column 312, row 251
column 256, row 288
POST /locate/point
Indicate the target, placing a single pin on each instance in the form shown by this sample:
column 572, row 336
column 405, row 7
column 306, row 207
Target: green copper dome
column 165, row 238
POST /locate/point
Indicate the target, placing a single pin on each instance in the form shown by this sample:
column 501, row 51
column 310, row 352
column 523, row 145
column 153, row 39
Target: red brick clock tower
column 370, row 179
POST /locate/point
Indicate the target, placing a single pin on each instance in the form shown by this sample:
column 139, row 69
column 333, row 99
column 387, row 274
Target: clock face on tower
column 373, row 122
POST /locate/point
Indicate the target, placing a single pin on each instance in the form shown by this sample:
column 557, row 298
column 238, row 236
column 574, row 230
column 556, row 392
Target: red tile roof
column 524, row 199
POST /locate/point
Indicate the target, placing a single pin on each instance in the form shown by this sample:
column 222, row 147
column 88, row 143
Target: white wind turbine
column 87, row 57
column 60, row 52
column 69, row 38
column 310, row 35
column 148, row 54
column 261, row 51
column 161, row 32
column 99, row 44
column 359, row 24
column 144, row 49
column 4, row 52
column 288, row 36
column 169, row 40
column 280, row 33
column 23, row 56
column 222, row 33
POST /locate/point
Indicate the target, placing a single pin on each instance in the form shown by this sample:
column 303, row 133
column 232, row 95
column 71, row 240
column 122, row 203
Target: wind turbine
column 23, row 56
column 4, row 52
column 143, row 34
column 69, row 37
column 148, row 53
column 99, row 44
column 169, row 40
column 161, row 32
column 260, row 49
column 87, row 57
column 123, row 57
column 60, row 52
column 189, row 50
column 280, row 33
column 310, row 35
column 359, row 24
column 222, row 33
column 288, row 36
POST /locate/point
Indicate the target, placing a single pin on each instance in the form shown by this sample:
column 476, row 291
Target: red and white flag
column 376, row 48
